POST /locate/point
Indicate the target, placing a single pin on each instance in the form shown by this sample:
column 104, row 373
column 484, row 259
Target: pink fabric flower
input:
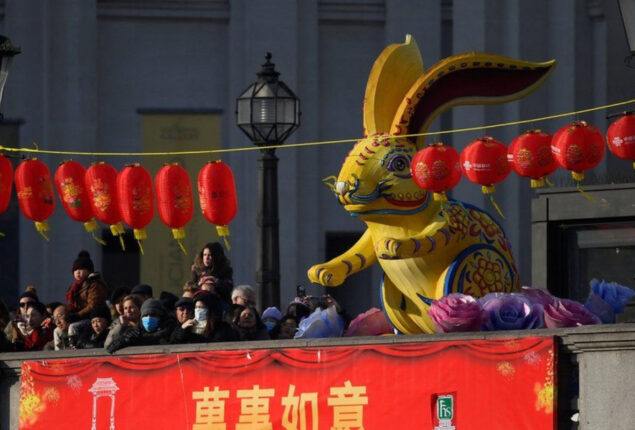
column 538, row 295
column 371, row 323
column 457, row 312
column 568, row 313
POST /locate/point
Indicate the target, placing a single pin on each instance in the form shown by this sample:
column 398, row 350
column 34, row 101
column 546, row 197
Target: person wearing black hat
column 168, row 300
column 142, row 290
column 98, row 332
column 156, row 328
column 184, row 309
column 116, row 300
column 207, row 324
column 87, row 291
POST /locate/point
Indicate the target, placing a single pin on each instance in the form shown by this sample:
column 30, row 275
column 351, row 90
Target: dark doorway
column 359, row 292
column 120, row 268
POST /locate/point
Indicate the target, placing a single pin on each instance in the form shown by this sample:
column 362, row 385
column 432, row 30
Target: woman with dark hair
column 250, row 326
column 212, row 271
column 207, row 324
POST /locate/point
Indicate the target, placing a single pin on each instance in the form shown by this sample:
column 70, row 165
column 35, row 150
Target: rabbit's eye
column 399, row 163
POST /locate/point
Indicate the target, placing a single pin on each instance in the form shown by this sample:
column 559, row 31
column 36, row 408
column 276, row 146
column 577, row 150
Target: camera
column 300, row 291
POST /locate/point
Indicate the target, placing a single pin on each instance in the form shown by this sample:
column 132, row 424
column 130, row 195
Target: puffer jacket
column 91, row 294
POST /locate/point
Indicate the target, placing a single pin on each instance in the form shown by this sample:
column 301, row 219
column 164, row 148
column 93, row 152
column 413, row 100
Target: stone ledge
column 610, row 337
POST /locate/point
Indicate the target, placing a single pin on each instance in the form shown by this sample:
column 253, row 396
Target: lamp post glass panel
column 7, row 51
column 268, row 112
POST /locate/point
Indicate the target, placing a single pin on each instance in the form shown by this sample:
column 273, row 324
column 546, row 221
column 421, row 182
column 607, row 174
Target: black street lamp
column 268, row 112
column 7, row 51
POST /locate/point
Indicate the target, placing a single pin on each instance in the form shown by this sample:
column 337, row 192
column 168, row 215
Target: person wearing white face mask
column 206, row 326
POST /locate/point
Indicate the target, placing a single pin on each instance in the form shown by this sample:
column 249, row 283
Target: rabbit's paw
column 390, row 248
column 329, row 275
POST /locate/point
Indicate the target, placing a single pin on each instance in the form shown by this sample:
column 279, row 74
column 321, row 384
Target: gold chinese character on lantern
column 348, row 406
column 254, row 409
column 210, row 409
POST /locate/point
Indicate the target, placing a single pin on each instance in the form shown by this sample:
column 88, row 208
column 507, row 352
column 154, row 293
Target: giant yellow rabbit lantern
column 426, row 251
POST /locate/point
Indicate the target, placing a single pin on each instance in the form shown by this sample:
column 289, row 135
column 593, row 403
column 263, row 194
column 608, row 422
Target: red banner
column 477, row 384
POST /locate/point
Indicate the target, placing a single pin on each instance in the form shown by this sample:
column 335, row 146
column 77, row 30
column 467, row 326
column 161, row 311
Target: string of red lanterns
column 535, row 155
column 110, row 197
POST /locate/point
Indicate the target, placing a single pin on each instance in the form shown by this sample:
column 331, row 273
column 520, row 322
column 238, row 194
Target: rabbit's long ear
column 394, row 72
column 466, row 79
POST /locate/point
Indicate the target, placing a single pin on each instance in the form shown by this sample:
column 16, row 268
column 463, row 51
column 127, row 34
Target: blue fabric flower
column 614, row 294
column 321, row 323
column 511, row 312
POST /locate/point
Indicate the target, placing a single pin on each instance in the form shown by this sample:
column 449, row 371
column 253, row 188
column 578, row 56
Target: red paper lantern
column 101, row 185
column 578, row 147
column 217, row 195
column 71, row 187
column 530, row 156
column 437, row 169
column 484, row 161
column 174, row 199
column 6, row 181
column 35, row 193
column 620, row 137
column 134, row 186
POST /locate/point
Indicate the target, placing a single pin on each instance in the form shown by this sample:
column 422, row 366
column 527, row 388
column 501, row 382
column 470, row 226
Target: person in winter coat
column 156, row 328
column 87, row 291
column 250, row 326
column 40, row 329
column 129, row 319
column 212, row 271
column 95, row 337
column 207, row 324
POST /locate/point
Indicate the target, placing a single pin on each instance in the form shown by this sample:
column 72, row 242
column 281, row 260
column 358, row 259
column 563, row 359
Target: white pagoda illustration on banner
column 104, row 387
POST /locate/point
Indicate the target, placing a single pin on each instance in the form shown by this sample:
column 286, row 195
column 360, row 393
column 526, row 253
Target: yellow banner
column 164, row 266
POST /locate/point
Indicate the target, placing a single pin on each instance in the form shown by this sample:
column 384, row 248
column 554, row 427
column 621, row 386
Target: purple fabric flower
column 568, row 313
column 538, row 295
column 614, row 294
column 511, row 312
column 457, row 312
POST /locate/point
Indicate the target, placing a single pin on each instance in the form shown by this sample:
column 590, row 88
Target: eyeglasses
column 25, row 304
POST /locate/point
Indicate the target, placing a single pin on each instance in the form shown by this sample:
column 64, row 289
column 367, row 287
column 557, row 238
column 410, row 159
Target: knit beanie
column 273, row 313
column 101, row 311
column 83, row 261
column 118, row 294
column 152, row 307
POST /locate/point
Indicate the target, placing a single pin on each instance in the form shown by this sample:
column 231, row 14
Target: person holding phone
column 212, row 271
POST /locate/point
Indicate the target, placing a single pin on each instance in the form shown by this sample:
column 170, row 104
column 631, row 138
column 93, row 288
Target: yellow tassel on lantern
column 179, row 234
column 117, row 230
column 42, row 228
column 223, row 231
column 489, row 189
column 578, row 176
column 440, row 197
column 140, row 234
column 537, row 183
column 90, row 227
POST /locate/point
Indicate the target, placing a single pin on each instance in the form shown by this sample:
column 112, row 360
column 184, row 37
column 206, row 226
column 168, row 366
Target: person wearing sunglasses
column 40, row 328
column 17, row 326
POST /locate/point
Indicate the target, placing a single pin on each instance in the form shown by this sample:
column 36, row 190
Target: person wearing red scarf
column 87, row 291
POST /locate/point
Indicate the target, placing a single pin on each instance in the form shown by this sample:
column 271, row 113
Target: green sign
column 445, row 407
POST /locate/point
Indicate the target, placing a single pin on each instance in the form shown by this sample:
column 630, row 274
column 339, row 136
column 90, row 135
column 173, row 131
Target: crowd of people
column 210, row 309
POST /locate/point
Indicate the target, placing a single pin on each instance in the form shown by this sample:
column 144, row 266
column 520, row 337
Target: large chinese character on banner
column 458, row 384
